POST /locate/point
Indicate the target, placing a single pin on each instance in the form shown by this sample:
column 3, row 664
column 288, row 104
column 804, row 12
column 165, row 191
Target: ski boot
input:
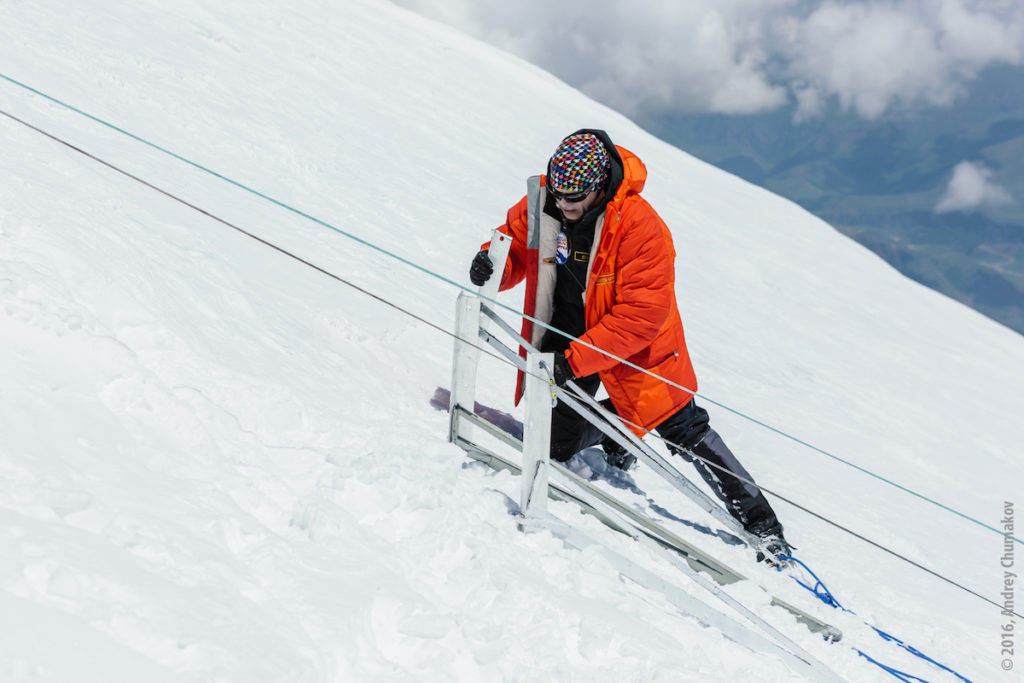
column 617, row 456
column 772, row 546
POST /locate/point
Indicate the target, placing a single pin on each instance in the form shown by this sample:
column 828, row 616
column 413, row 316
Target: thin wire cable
column 245, row 232
column 499, row 304
column 821, row 517
column 446, row 332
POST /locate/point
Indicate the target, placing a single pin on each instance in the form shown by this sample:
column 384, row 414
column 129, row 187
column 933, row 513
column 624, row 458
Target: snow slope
column 217, row 464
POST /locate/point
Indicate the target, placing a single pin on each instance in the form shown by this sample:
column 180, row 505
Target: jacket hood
column 634, row 175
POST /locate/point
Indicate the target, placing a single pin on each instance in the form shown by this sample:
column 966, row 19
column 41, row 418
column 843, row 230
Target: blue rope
column 821, row 592
column 902, row 675
column 819, row 589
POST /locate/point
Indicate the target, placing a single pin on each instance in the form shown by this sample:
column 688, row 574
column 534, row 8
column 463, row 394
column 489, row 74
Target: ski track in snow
column 217, row 464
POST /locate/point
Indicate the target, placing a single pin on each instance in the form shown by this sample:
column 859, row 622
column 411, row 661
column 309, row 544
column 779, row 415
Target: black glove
column 480, row 271
column 563, row 373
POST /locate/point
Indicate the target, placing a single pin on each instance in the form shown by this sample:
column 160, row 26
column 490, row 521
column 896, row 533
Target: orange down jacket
column 629, row 303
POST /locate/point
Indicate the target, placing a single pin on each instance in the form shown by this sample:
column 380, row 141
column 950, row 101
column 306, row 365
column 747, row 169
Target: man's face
column 573, row 211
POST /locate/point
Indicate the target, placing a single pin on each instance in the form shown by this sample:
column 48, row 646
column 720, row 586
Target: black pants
column 689, row 432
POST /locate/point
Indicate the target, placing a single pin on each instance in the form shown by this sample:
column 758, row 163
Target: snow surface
column 217, row 464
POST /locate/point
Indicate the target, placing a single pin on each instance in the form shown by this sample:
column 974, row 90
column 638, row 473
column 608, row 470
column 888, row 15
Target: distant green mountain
column 880, row 183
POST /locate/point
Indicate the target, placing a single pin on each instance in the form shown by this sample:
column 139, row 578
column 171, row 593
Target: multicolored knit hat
column 579, row 163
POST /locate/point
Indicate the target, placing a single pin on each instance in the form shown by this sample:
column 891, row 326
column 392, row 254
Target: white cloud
column 873, row 56
column 747, row 56
column 971, row 187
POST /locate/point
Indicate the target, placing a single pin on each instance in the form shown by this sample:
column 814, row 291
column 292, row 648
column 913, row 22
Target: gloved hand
column 481, row 269
column 563, row 373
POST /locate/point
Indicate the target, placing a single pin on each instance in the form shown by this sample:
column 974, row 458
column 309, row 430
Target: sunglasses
column 571, row 197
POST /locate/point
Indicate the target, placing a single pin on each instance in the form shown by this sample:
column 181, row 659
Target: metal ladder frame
column 540, row 479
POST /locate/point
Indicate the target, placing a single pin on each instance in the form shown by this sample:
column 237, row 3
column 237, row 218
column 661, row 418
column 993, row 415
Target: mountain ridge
column 880, row 182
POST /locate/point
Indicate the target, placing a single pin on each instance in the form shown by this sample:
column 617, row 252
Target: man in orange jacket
column 598, row 263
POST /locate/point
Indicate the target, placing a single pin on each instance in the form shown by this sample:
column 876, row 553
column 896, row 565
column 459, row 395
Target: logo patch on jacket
column 562, row 250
